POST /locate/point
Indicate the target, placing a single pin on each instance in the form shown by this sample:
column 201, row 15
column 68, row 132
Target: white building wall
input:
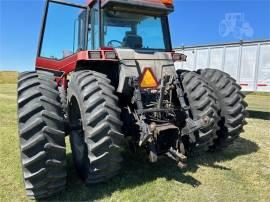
column 247, row 62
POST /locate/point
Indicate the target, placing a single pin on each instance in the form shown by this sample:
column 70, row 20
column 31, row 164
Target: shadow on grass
column 259, row 115
column 138, row 171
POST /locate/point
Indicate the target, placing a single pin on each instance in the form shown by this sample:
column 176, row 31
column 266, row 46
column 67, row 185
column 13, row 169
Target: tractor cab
column 138, row 25
column 70, row 28
column 107, row 36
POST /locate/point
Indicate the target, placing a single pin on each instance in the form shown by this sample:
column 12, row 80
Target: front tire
column 94, row 116
column 41, row 132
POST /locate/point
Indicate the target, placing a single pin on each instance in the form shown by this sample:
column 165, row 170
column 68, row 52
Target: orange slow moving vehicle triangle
column 148, row 80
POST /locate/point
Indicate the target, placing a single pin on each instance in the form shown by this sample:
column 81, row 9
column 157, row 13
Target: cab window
column 64, row 31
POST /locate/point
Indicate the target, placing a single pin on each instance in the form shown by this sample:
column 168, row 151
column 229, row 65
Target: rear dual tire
column 232, row 105
column 41, row 134
column 96, row 138
column 94, row 115
column 202, row 102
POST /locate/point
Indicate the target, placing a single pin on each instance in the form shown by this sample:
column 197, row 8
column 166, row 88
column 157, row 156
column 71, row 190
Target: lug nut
column 206, row 119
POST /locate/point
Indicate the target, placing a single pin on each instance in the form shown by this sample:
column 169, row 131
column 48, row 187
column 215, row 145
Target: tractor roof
column 164, row 6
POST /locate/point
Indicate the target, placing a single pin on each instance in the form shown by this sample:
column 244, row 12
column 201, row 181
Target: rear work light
column 110, row 55
column 179, row 57
column 94, row 54
column 148, row 79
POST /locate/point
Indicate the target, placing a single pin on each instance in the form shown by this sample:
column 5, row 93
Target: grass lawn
column 8, row 77
column 258, row 102
column 239, row 173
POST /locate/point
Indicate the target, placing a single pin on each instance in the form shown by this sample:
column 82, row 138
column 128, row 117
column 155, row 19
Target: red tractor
column 105, row 76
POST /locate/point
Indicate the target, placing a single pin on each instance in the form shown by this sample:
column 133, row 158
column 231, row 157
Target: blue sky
column 193, row 23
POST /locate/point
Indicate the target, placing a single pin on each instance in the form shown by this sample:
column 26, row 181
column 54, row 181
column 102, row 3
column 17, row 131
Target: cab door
column 64, row 30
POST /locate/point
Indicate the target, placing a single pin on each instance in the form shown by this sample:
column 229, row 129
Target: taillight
column 148, row 79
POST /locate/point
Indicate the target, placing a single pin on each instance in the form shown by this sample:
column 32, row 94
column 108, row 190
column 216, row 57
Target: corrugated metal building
column 248, row 62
